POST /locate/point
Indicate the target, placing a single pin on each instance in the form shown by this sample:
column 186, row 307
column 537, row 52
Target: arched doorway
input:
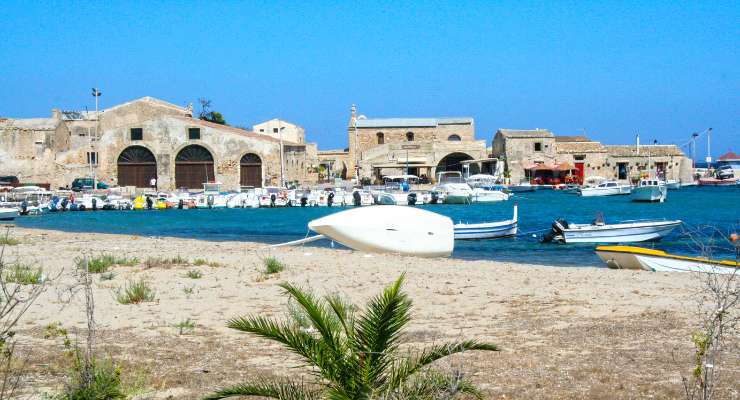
column 251, row 170
column 136, row 167
column 193, row 167
column 452, row 162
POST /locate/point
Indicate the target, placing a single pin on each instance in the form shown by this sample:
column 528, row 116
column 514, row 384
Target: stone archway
column 452, row 162
column 136, row 167
column 250, row 170
column 194, row 167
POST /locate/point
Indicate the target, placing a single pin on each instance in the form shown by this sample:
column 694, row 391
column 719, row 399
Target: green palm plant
column 352, row 355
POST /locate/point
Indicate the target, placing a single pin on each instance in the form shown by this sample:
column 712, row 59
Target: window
column 262, row 130
column 137, row 134
column 92, row 157
column 579, row 158
column 193, row 133
column 274, row 130
column 381, row 138
column 537, row 146
column 409, row 136
column 454, row 138
column 622, row 170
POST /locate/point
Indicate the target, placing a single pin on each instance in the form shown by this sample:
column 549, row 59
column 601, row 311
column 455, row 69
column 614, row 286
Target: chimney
column 56, row 114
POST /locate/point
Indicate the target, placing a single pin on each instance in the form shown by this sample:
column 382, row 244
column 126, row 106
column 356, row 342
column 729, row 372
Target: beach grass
column 23, row 274
column 103, row 262
column 135, row 292
column 194, row 274
column 154, row 262
column 8, row 241
column 186, row 325
column 198, row 262
column 273, row 266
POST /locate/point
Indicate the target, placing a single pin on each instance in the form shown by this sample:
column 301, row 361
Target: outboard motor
column 65, row 203
column 94, row 204
column 557, row 231
column 210, row 200
column 24, row 208
column 304, row 201
column 149, row 203
column 180, row 204
column 411, row 199
column 330, row 199
column 357, row 198
column 272, row 200
column 435, row 198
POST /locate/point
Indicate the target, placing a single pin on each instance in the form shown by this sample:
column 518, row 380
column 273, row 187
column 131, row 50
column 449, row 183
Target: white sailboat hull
column 389, row 229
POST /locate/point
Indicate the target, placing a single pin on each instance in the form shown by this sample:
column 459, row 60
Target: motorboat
column 717, row 182
column 455, row 190
column 389, row 229
column 522, row 187
column 605, row 188
column 488, row 230
column 650, row 190
column 8, row 213
column 600, row 232
column 211, row 197
column 482, row 195
column 247, row 198
column 673, row 184
column 483, row 181
column 631, row 257
column 273, row 196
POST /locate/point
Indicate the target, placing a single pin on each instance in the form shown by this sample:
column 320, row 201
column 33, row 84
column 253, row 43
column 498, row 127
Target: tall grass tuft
column 103, row 262
column 135, row 292
column 154, row 262
column 23, row 275
column 273, row 266
column 194, row 274
column 8, row 241
column 187, row 325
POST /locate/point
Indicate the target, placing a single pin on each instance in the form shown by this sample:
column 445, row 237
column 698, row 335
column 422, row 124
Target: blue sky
column 609, row 69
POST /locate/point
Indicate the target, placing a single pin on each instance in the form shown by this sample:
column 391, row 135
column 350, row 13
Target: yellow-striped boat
column 631, row 257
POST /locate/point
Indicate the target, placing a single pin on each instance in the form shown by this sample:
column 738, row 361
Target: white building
column 290, row 132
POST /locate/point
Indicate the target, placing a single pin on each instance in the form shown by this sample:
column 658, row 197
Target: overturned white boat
column 488, row 230
column 630, row 257
column 600, row 232
column 389, row 229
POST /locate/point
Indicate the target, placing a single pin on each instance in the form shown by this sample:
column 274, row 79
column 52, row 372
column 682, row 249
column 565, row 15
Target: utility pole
column 96, row 93
column 282, row 162
column 709, row 148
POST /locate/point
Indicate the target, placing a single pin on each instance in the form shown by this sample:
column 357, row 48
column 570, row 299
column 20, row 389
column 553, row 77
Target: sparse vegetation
column 102, row 263
column 273, row 266
column 160, row 262
column 135, row 292
column 107, row 276
column 187, row 325
column 354, row 356
column 8, row 241
column 200, row 262
column 23, row 274
column 194, row 274
column 188, row 290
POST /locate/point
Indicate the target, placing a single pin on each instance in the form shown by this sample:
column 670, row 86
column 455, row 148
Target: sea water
column 698, row 207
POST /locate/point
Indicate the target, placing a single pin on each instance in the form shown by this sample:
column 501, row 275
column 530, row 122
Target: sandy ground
column 565, row 332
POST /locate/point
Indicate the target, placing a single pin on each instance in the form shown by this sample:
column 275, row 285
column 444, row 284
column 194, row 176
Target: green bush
column 135, row 293
column 8, row 241
column 23, row 274
column 103, row 262
column 105, row 383
column 273, row 266
column 194, row 274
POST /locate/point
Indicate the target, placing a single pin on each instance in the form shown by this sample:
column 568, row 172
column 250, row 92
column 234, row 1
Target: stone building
column 131, row 143
column 417, row 146
column 540, row 153
column 274, row 127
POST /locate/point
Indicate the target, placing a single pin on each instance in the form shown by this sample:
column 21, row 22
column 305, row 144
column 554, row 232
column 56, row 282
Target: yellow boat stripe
column 660, row 253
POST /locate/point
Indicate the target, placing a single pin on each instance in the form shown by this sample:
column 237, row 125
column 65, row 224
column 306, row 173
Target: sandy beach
column 564, row 332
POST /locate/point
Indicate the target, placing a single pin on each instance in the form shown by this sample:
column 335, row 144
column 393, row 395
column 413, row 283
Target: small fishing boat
column 673, row 184
column 8, row 213
column 522, row 187
column 650, row 190
column 717, row 182
column 488, row 230
column 630, row 257
column 483, row 195
column 211, row 196
column 600, row 232
column 455, row 190
column 607, row 188
column 389, row 229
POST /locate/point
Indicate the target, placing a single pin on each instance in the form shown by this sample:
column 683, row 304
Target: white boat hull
column 662, row 264
column 489, row 230
column 650, row 193
column 488, row 196
column 389, row 229
column 608, row 191
column 8, row 214
column 620, row 233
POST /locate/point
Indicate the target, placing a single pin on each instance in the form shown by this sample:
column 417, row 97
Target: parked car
column 9, row 180
column 80, row 184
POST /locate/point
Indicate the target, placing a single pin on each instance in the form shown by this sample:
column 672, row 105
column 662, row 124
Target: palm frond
column 378, row 331
column 404, row 369
column 344, row 314
column 321, row 319
column 280, row 389
column 434, row 385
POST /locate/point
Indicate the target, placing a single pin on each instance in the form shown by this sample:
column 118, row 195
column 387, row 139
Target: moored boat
column 482, row 195
column 631, row 257
column 488, row 230
column 600, row 232
column 673, row 184
column 454, row 189
column 717, row 182
column 8, row 213
column 607, row 188
column 650, row 190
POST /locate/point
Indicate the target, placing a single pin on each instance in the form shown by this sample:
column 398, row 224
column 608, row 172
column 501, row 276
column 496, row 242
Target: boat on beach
column 600, row 232
column 650, row 190
column 389, row 229
column 631, row 257
column 606, row 188
column 488, row 230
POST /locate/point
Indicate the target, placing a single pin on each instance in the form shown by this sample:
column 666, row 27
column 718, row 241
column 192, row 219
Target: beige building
column 147, row 138
column 540, row 154
column 277, row 128
column 417, row 146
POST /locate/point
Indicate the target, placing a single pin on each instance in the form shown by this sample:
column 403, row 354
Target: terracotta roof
column 570, row 139
column 645, row 150
column 729, row 156
column 231, row 129
column 523, row 133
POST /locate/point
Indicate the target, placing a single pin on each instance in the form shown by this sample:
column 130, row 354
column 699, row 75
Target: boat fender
column 209, row 200
column 435, row 198
column 180, row 204
column 149, row 203
column 411, row 199
column 94, row 204
column 304, row 201
column 272, row 200
column 356, row 198
column 330, row 199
